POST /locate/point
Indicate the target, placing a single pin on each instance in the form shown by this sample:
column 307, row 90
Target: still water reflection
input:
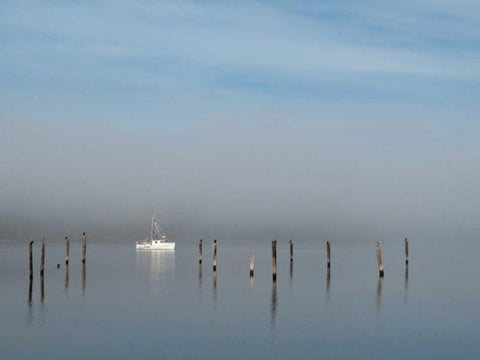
column 84, row 277
column 67, row 277
column 42, row 288
column 159, row 264
column 134, row 297
column 379, row 294
column 273, row 305
column 406, row 280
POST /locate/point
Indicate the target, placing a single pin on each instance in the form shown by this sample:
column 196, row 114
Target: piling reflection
column 84, row 277
column 406, row 282
column 66, row 277
column 291, row 274
column 273, row 305
column 30, row 289
column 251, row 285
column 200, row 275
column 328, row 284
column 379, row 294
column 30, row 313
column 42, row 288
column 214, row 281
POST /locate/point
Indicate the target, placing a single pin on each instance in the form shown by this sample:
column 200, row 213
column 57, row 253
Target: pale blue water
column 141, row 305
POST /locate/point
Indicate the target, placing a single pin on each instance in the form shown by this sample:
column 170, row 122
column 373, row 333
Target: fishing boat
column 158, row 239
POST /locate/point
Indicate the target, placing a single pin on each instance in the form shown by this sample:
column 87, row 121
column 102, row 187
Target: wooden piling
column 200, row 251
column 274, row 260
column 406, row 251
column 30, row 259
column 252, row 259
column 30, row 265
column 291, row 250
column 84, row 248
column 379, row 259
column 328, row 254
column 42, row 272
column 214, row 255
column 42, row 260
column 67, row 249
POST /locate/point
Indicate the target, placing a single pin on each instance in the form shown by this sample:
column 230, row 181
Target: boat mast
column 153, row 232
column 157, row 233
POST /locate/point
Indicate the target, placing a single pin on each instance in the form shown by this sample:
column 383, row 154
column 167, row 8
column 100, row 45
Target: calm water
column 139, row 305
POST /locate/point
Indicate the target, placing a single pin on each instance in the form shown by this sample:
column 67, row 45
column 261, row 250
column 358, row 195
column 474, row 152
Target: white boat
column 158, row 240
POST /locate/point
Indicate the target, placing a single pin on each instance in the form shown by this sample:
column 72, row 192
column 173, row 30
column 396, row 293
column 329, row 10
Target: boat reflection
column 159, row 263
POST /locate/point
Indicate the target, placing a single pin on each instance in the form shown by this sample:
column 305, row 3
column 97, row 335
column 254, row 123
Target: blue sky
column 109, row 57
column 354, row 108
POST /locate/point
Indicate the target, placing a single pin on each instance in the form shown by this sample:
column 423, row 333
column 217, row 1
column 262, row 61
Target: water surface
column 126, row 304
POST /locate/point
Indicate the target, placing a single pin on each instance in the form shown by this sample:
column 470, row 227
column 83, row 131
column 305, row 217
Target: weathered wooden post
column 406, row 251
column 274, row 260
column 30, row 265
column 84, row 248
column 30, row 259
column 42, row 272
column 42, row 260
column 67, row 249
column 200, row 251
column 251, row 263
column 379, row 259
column 214, row 255
column 328, row 254
column 291, row 250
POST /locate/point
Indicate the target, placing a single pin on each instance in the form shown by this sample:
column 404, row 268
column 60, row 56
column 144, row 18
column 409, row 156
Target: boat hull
column 156, row 245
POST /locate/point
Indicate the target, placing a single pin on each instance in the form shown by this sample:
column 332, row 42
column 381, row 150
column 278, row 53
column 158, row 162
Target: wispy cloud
column 403, row 40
